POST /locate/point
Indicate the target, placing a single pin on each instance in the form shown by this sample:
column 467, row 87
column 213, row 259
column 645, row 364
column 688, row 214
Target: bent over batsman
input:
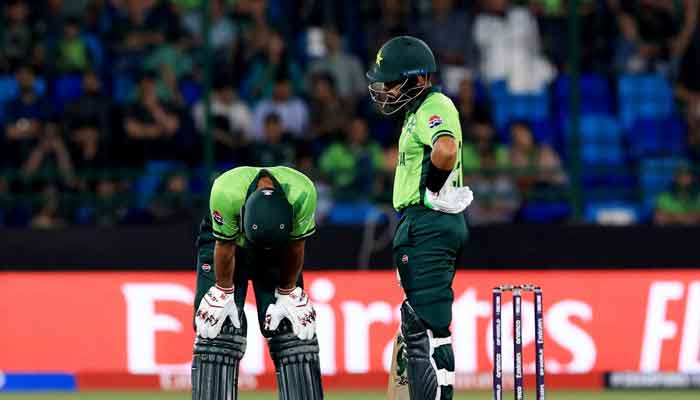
column 428, row 193
column 259, row 219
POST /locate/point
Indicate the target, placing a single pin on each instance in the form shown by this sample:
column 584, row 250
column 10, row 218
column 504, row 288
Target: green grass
column 551, row 395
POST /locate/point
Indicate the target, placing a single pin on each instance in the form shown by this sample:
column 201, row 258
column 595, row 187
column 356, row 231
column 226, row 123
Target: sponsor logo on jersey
column 206, row 267
column 218, row 218
column 268, row 192
column 434, row 121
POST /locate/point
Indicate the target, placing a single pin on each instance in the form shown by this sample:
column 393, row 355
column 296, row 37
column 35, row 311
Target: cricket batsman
column 260, row 218
column 429, row 195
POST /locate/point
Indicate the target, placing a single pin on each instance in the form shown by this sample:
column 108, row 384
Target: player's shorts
column 259, row 266
column 426, row 246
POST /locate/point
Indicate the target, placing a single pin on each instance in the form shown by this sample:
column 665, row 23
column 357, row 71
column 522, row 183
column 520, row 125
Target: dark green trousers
column 259, row 266
column 426, row 246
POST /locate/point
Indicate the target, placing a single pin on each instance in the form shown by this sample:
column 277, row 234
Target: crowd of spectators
column 103, row 118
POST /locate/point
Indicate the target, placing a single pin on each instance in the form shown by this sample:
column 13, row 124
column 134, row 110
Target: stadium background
column 581, row 122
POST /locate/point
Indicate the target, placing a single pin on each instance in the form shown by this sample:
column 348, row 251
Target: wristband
column 436, row 177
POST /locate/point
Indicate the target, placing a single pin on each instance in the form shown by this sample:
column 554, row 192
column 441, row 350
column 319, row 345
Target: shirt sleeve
column 224, row 218
column 435, row 119
column 305, row 214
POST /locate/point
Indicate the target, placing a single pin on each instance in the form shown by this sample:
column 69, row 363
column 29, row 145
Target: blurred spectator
column 537, row 165
column 392, row 21
column 173, row 63
column 648, row 28
column 267, row 65
column 87, row 124
column 688, row 84
column 346, row 69
column 509, row 46
column 694, row 145
column 496, row 198
column 255, row 28
column 329, row 114
column 16, row 36
column 25, row 117
column 48, row 215
column 597, row 30
column 351, row 166
column 231, row 119
column 139, row 26
column 173, row 201
column 222, row 31
column 292, row 110
column 468, row 106
column 71, row 51
column 486, row 165
column 448, row 33
column 67, row 9
column 275, row 149
column 150, row 125
column 480, row 144
column 681, row 204
column 50, row 147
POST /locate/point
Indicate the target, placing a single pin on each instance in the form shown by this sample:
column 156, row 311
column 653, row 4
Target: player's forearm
column 224, row 253
column 292, row 264
column 442, row 161
column 444, row 153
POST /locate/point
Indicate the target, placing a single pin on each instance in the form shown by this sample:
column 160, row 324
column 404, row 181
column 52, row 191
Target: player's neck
column 265, row 182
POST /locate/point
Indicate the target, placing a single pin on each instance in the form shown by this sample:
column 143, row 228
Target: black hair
column 272, row 117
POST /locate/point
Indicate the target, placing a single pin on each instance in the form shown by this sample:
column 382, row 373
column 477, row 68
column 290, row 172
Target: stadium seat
column 655, row 176
column 507, row 107
column 95, row 49
column 155, row 173
column 191, row 91
column 596, row 94
column 353, row 213
column 643, row 96
column 67, row 88
column 123, row 87
column 601, row 141
column 612, row 213
column 657, row 137
column 9, row 88
column 542, row 212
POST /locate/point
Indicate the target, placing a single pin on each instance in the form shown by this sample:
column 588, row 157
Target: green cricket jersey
column 426, row 121
column 232, row 188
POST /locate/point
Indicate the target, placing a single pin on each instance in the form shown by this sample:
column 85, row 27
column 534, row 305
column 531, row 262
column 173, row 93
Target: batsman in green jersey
column 259, row 219
column 428, row 193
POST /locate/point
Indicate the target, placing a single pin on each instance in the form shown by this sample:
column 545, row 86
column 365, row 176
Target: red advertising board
column 109, row 323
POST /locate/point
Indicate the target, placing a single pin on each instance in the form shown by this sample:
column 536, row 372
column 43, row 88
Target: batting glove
column 294, row 305
column 217, row 305
column 450, row 199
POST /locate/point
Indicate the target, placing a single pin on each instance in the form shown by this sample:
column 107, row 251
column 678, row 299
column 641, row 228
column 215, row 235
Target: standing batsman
column 259, row 220
column 429, row 195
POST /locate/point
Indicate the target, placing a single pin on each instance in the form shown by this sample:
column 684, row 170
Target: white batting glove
column 450, row 199
column 294, row 305
column 215, row 307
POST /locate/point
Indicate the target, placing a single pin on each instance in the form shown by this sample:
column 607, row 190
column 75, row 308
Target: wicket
column 517, row 290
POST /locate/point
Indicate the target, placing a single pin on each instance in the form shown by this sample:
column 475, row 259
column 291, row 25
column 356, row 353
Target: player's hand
column 450, row 199
column 294, row 305
column 215, row 307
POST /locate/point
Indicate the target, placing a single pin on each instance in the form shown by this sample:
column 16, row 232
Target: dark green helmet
column 393, row 77
column 267, row 218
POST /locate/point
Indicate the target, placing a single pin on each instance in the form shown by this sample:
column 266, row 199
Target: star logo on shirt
column 379, row 59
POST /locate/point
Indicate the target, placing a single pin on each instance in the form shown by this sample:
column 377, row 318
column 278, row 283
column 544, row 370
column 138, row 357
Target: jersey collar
column 254, row 183
column 411, row 108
